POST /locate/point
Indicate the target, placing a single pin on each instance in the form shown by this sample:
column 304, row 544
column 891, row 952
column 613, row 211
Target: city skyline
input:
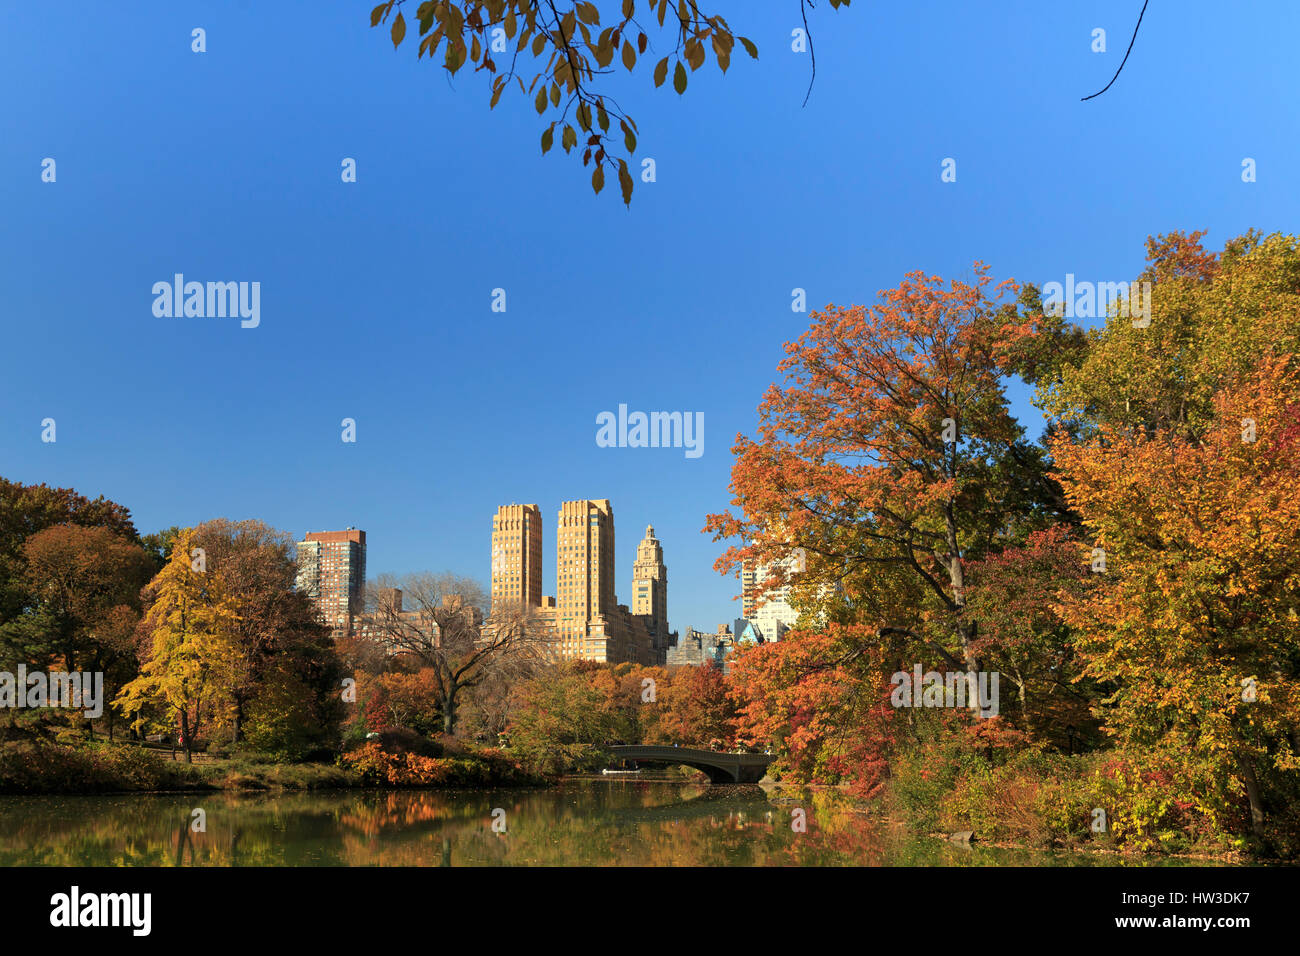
column 584, row 617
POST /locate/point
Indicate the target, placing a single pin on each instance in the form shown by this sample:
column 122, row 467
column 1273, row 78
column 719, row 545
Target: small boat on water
column 608, row 771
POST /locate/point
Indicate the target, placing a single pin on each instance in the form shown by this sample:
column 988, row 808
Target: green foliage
column 1213, row 315
column 1043, row 799
column 282, row 723
column 562, row 722
column 257, row 772
column 926, row 770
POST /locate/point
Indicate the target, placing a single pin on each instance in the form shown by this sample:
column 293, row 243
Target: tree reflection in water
column 580, row 822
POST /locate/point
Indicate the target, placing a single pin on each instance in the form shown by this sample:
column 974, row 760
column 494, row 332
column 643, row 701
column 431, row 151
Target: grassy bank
column 48, row 767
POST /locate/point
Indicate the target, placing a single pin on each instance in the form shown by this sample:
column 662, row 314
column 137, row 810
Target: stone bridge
column 720, row 766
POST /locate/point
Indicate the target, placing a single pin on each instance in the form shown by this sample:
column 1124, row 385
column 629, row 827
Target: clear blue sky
column 376, row 296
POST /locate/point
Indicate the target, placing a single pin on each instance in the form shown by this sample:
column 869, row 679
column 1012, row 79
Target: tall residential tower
column 517, row 555
column 766, row 604
column 584, row 577
column 332, row 572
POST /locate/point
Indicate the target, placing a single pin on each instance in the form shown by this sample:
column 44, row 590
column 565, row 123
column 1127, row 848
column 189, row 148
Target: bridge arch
column 721, row 767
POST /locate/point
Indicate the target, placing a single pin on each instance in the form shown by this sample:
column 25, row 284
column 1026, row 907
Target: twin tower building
column 584, row 614
column 584, row 617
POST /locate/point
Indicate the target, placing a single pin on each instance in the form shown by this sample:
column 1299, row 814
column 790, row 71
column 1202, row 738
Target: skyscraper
column 650, row 587
column 584, row 576
column 517, row 555
column 332, row 571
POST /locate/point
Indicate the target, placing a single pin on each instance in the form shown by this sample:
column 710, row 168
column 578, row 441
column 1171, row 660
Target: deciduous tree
column 276, row 631
column 1194, row 624
column 85, row 582
column 890, row 450
column 193, row 656
column 440, row 626
column 1213, row 317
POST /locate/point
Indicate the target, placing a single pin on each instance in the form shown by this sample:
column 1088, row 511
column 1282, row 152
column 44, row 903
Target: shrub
column 40, row 767
column 379, row 766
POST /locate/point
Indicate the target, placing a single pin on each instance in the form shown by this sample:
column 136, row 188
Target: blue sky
column 375, row 296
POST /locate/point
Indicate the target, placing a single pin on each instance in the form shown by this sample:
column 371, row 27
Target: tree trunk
column 966, row 628
column 1247, row 767
column 1019, row 681
column 185, row 736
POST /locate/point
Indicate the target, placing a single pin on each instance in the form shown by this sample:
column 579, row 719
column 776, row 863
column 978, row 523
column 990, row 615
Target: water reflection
column 581, row 822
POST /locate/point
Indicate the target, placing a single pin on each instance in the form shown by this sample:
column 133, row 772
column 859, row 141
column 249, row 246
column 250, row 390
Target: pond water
column 582, row 822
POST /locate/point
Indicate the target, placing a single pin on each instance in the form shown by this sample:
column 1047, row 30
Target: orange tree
column 890, row 456
column 26, row 510
column 821, row 703
column 85, row 584
column 693, row 709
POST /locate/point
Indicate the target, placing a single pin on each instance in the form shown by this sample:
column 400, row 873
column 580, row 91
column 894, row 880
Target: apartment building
column 764, row 603
column 517, row 555
column 332, row 572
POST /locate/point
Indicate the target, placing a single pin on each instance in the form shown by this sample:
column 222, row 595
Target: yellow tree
column 1193, row 623
column 192, row 656
column 1213, row 316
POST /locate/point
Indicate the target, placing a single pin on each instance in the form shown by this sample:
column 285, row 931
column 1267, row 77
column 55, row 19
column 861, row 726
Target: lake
column 581, row 822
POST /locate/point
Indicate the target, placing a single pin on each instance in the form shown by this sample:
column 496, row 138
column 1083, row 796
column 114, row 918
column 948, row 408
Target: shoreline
column 338, row 780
